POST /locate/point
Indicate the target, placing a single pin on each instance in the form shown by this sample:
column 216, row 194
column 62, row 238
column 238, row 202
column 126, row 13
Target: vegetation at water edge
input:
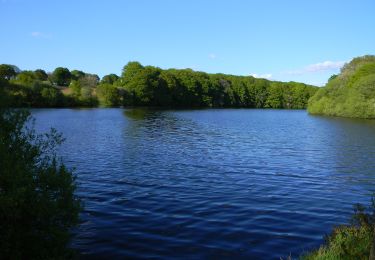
column 349, row 242
column 349, row 94
column 140, row 85
column 38, row 206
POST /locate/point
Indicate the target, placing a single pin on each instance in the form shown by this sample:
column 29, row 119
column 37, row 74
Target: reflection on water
column 138, row 113
column 227, row 183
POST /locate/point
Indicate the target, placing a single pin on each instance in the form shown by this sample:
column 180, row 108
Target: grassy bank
column 352, row 241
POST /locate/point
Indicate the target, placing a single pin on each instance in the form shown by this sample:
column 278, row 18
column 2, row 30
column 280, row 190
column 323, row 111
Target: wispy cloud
column 40, row 35
column 212, row 56
column 317, row 67
column 263, row 76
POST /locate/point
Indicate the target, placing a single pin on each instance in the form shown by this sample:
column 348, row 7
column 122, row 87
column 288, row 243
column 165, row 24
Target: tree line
column 140, row 85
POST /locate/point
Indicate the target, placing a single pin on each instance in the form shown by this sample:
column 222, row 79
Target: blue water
column 220, row 184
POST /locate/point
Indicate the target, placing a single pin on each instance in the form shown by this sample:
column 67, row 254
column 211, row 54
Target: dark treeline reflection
column 148, row 86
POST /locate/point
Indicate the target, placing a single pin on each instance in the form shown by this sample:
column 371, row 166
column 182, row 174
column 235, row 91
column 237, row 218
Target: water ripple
column 217, row 184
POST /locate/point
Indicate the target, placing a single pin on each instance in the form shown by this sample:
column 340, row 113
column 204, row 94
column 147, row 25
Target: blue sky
column 304, row 41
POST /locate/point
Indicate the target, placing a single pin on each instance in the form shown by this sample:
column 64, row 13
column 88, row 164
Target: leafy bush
column 108, row 95
column 37, row 202
column 352, row 241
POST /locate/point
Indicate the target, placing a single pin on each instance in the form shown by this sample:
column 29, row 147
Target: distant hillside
column 349, row 94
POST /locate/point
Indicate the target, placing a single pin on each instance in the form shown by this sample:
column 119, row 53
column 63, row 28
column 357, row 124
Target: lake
column 213, row 183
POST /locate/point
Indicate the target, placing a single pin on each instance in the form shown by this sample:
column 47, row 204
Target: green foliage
column 332, row 77
column 89, row 80
column 61, row 76
column 52, row 97
column 151, row 86
column 109, row 79
column 145, row 88
column 352, row 241
column 40, row 75
column 82, row 94
column 26, row 77
column 5, row 99
column 7, row 71
column 350, row 94
column 75, row 87
column 108, row 95
column 130, row 70
column 275, row 96
column 37, row 202
column 77, row 74
column 87, row 98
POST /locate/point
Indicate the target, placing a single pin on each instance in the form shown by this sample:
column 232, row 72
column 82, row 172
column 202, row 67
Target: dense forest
column 147, row 86
column 349, row 94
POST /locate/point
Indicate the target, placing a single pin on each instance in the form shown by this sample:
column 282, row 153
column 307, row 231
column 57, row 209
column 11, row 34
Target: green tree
column 144, row 86
column 77, row 74
column 109, row 79
column 61, row 77
column 217, row 90
column 26, row 77
column 75, row 87
column 52, row 97
column 259, row 90
column 87, row 98
column 172, row 85
column 89, row 80
column 108, row 95
column 37, row 202
column 130, row 70
column 275, row 97
column 7, row 71
column 40, row 75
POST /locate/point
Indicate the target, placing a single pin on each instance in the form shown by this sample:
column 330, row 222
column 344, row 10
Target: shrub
column 352, row 241
column 37, row 202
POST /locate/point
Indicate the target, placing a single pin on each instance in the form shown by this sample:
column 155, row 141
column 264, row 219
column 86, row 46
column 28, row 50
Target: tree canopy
column 109, row 79
column 61, row 76
column 141, row 85
column 7, row 71
column 349, row 94
column 41, row 75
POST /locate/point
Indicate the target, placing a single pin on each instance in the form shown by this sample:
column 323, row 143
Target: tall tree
column 61, row 76
column 130, row 70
